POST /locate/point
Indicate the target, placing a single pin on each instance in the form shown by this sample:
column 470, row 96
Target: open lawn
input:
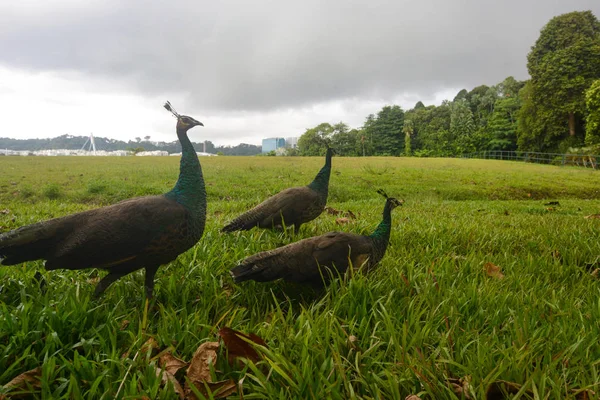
column 429, row 313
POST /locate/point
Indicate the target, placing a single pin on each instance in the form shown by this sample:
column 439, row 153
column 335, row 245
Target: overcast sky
column 249, row 69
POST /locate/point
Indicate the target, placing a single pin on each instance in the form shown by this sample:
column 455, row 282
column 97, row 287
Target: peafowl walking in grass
column 294, row 206
column 315, row 260
column 143, row 232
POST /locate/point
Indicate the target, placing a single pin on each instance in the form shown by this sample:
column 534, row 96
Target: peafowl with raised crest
column 143, row 232
column 315, row 260
column 293, row 206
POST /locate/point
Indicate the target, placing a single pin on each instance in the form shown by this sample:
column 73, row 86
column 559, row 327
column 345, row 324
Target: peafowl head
column 391, row 201
column 184, row 123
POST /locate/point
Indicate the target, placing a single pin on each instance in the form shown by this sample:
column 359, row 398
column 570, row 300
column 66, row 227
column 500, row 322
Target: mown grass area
column 428, row 313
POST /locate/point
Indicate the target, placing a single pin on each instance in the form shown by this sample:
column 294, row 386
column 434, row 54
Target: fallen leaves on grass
column 124, row 324
column 198, row 382
column 238, row 346
column 213, row 390
column 461, row 386
column 493, row 270
column 199, row 369
column 412, row 397
column 342, row 221
column 347, row 213
column 592, row 216
column 198, row 374
column 6, row 211
column 167, row 377
column 499, row 390
column 24, row 383
column 150, row 347
column 170, row 363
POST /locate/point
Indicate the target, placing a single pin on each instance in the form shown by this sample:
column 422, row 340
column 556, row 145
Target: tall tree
column 462, row 127
column 311, row 141
column 502, row 125
column 432, row 129
column 344, row 140
column 592, row 122
column 532, row 132
column 563, row 63
column 385, row 131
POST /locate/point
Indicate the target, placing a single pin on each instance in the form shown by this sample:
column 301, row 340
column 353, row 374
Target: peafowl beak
column 197, row 123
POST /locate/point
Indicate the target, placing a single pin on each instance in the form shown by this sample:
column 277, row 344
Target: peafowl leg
column 107, row 281
column 150, row 272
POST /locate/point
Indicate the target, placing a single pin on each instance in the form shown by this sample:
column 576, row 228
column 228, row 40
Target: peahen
column 294, row 206
column 143, row 232
column 314, row 260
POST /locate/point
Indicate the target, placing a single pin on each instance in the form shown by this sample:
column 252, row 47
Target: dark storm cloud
column 265, row 55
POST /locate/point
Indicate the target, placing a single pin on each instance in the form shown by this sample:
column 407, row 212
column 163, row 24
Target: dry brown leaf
column 353, row 342
column 124, row 324
column 593, row 216
column 412, row 397
column 170, row 363
column 332, row 211
column 550, row 209
column 583, row 394
column 166, row 377
column 595, row 272
column 199, row 369
column 238, row 347
column 342, row 221
column 6, row 211
column 350, row 214
column 24, row 382
column 493, row 270
column 499, row 389
column 218, row 390
column 151, row 346
column 461, row 386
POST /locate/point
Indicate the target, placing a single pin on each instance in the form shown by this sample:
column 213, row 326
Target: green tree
column 384, row 132
column 563, row 63
column 510, row 87
column 433, row 130
column 311, row 141
column 461, row 95
column 502, row 125
column 408, row 131
column 462, row 127
column 592, row 122
column 345, row 141
column 475, row 100
column 532, row 133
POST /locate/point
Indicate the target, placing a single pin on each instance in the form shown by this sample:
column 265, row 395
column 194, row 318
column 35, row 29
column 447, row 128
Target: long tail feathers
column 244, row 222
column 27, row 243
column 243, row 272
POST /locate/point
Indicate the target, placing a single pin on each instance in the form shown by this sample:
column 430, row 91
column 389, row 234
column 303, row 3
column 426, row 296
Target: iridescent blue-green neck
column 321, row 181
column 189, row 189
column 381, row 235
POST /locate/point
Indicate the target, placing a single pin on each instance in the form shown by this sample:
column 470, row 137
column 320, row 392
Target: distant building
column 272, row 144
column 291, row 142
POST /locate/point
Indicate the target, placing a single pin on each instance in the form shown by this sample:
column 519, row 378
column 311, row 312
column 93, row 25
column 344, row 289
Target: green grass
column 428, row 313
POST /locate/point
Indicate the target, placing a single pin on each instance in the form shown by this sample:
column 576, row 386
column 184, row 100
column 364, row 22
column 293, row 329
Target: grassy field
column 429, row 314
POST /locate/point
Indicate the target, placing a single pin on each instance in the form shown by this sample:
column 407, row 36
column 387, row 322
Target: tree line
column 557, row 110
column 71, row 142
